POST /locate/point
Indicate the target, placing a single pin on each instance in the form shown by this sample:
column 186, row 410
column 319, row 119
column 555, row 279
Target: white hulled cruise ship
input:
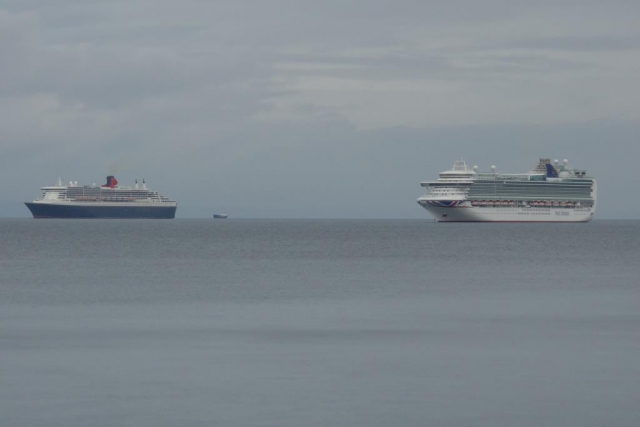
column 548, row 193
column 107, row 201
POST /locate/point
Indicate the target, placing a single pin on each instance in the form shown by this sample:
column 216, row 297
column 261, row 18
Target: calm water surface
column 318, row 323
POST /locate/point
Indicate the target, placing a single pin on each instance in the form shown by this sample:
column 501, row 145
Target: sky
column 314, row 109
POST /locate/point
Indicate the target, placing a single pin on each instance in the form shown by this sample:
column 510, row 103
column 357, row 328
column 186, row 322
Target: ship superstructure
column 548, row 193
column 107, row 201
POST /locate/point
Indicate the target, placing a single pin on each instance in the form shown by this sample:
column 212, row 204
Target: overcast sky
column 314, row 109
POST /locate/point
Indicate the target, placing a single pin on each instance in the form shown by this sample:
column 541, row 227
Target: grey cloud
column 578, row 43
column 291, row 108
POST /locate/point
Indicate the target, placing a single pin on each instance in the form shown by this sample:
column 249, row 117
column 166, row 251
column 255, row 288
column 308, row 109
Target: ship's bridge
column 460, row 171
column 459, row 175
column 452, row 184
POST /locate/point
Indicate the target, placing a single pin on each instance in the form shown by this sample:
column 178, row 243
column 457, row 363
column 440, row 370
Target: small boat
column 220, row 215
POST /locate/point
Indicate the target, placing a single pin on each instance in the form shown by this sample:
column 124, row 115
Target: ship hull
column 52, row 210
column 509, row 214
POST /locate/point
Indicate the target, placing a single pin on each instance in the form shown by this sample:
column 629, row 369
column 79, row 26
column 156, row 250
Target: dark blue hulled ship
column 107, row 201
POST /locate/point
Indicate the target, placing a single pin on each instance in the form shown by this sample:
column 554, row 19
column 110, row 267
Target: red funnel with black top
column 111, row 182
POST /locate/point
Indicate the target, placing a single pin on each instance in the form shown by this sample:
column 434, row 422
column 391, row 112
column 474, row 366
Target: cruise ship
column 107, row 201
column 550, row 192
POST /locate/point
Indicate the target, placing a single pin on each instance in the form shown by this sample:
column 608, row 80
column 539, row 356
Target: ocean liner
column 548, row 193
column 107, row 201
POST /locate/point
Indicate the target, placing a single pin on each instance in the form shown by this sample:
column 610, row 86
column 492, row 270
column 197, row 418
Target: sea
column 318, row 323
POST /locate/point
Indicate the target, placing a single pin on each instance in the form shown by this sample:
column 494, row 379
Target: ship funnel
column 136, row 183
column 111, row 182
